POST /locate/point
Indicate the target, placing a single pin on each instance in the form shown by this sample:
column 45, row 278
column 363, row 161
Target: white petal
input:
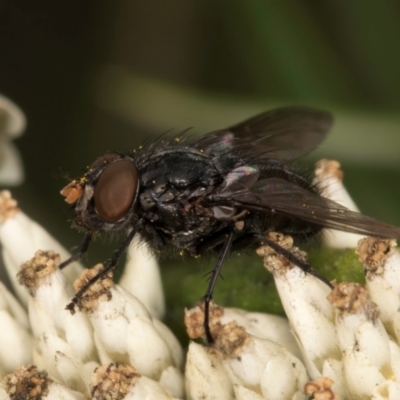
column 387, row 390
column 361, row 375
column 171, row 341
column 47, row 346
column 205, row 377
column 111, row 336
column 9, row 303
column 395, row 359
column 60, row 392
column 147, row 389
column 333, row 369
column 248, row 368
column 242, row 393
column 111, row 322
column 74, row 373
column 105, row 357
column 142, row 278
column 286, row 385
column 172, row 381
column 148, row 352
column 16, row 343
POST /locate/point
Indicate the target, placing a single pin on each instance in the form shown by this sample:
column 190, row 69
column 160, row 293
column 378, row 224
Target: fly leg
column 112, row 263
column 304, row 266
column 211, row 285
column 83, row 248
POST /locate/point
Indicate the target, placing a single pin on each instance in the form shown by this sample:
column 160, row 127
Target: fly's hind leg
column 211, row 285
column 303, row 265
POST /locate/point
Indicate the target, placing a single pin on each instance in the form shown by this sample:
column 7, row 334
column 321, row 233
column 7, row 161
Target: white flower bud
column 382, row 265
column 248, row 360
column 264, row 326
column 303, row 297
column 328, row 179
column 362, row 338
column 124, row 382
column 21, row 237
column 30, row 383
column 255, row 364
column 358, row 325
column 124, row 331
column 49, row 294
column 142, row 278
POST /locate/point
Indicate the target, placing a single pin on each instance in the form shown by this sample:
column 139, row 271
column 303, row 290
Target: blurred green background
column 96, row 76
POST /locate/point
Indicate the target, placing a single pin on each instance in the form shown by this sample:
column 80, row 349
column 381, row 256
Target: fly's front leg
column 112, row 263
column 83, row 248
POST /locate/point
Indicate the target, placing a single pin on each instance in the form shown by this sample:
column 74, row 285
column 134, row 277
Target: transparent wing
column 284, row 134
column 291, row 200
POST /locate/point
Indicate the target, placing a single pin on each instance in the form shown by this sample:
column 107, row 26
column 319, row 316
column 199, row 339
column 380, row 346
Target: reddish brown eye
column 115, row 190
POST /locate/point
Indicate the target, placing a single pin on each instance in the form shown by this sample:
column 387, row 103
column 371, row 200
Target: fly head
column 104, row 198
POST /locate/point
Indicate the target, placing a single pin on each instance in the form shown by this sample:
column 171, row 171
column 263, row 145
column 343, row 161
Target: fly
column 216, row 194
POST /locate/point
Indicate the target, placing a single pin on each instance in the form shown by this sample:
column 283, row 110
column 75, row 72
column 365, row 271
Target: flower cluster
column 335, row 344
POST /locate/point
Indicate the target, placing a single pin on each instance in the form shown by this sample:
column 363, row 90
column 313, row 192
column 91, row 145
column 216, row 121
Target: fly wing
column 283, row 134
column 293, row 201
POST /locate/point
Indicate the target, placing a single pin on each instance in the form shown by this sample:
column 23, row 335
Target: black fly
column 216, row 194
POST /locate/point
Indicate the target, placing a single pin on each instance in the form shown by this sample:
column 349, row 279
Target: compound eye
column 115, row 190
